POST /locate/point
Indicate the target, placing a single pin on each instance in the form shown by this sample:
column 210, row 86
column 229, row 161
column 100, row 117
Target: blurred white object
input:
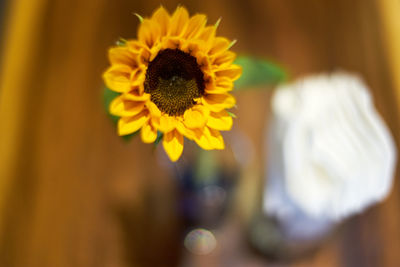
column 200, row 241
column 330, row 154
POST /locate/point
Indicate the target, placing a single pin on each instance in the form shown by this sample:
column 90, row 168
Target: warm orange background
column 73, row 194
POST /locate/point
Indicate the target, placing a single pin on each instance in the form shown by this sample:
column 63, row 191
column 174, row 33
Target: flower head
column 174, row 79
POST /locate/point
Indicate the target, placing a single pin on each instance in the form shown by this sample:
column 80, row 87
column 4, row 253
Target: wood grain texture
column 73, row 194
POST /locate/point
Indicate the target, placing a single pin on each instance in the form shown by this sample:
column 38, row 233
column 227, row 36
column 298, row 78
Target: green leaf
column 121, row 42
column 158, row 139
column 233, row 115
column 258, row 72
column 139, row 17
column 128, row 137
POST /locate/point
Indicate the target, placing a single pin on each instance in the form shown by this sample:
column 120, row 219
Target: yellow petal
column 192, row 46
column 221, row 121
column 218, row 102
column 128, row 125
column 195, row 117
column 207, row 35
column 188, row 133
column 149, row 32
column 220, row 45
column 203, row 60
column 162, row 17
column 140, row 49
column 195, row 26
column 148, row 133
column 171, row 42
column 179, row 21
column 231, row 71
column 202, row 141
column 137, row 77
column 220, row 86
column 145, row 55
column 173, row 144
column 209, row 139
column 116, row 78
column 124, row 108
column 135, row 46
column 226, row 57
column 216, row 139
column 154, row 110
column 122, row 55
column 135, row 95
column 154, row 51
column 165, row 123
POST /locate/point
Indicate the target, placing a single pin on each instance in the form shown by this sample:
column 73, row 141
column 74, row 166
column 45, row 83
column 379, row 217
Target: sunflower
column 174, row 79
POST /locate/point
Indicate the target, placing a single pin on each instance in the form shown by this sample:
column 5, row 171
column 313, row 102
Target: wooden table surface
column 73, row 194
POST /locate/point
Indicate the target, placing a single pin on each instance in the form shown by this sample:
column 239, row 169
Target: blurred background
column 72, row 193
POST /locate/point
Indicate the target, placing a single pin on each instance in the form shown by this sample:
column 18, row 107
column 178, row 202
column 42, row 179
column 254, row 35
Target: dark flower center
column 174, row 80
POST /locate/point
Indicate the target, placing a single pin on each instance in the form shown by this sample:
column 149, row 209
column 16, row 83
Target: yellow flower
column 174, row 79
